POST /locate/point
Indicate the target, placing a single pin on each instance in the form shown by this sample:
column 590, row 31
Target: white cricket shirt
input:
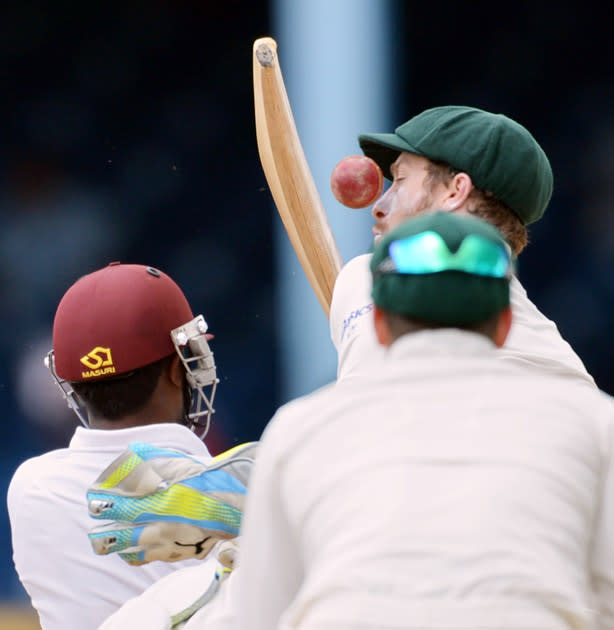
column 444, row 489
column 533, row 339
column 71, row 587
column 171, row 596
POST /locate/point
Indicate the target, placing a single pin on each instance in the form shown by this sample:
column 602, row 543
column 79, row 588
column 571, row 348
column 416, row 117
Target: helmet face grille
column 190, row 341
column 116, row 320
column 73, row 401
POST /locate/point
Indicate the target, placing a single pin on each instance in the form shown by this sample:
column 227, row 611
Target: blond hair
column 485, row 205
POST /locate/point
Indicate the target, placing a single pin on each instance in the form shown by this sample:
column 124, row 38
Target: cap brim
column 384, row 149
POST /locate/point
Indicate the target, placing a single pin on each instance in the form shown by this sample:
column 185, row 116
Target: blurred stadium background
column 128, row 135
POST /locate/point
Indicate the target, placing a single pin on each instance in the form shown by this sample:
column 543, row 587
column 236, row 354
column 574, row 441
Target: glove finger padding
column 226, row 553
column 146, row 542
column 237, row 461
column 167, row 505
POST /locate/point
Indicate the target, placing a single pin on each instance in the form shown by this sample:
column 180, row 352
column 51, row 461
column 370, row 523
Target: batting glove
column 167, row 505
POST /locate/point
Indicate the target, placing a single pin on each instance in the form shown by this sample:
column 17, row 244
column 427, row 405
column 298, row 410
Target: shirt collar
column 441, row 341
column 169, row 435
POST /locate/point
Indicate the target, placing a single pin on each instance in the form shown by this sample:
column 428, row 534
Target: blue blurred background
column 128, row 134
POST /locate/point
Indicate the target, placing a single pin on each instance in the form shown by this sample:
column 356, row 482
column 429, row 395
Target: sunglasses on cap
column 427, row 253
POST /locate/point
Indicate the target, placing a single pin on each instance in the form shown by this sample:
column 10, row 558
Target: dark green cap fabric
column 499, row 154
column 451, row 298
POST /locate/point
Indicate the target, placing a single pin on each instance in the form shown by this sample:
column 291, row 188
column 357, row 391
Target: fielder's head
column 115, row 332
column 457, row 158
column 442, row 270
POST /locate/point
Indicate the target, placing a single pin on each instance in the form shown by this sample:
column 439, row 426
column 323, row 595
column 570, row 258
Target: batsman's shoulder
column 608, row 401
column 608, row 405
column 598, row 400
column 41, row 471
column 36, row 467
column 30, row 469
column 25, row 480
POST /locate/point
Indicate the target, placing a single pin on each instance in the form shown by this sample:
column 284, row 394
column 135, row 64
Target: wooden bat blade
column 288, row 175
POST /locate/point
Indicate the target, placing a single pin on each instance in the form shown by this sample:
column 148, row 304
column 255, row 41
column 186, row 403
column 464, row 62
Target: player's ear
column 382, row 331
column 504, row 323
column 175, row 371
column 457, row 192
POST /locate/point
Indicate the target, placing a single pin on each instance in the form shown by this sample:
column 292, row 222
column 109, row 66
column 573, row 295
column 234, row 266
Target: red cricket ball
column 357, row 181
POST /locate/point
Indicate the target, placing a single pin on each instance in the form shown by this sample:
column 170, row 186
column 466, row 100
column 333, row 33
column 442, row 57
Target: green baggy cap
column 498, row 153
column 457, row 290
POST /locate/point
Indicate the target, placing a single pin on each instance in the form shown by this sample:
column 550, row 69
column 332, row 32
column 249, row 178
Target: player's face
column 410, row 193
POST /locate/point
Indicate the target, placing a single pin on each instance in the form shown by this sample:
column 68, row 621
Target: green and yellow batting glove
column 166, row 505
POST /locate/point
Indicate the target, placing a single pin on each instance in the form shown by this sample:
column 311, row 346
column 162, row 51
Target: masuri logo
column 99, row 362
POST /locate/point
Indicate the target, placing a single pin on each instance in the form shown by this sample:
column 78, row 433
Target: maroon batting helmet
column 115, row 320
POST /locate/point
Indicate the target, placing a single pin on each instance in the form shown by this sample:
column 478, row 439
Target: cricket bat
column 288, row 176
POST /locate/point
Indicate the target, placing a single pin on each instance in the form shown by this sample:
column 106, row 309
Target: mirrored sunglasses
column 427, row 253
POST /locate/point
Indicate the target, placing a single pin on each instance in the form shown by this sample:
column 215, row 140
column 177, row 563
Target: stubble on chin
column 426, row 204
